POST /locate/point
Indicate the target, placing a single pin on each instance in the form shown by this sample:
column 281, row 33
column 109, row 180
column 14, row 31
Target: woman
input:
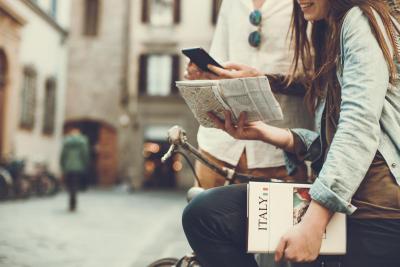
column 351, row 64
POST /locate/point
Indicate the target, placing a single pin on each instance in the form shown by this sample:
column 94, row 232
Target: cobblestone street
column 110, row 228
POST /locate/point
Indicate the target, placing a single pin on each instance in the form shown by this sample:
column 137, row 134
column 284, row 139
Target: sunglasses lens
column 255, row 39
column 255, row 17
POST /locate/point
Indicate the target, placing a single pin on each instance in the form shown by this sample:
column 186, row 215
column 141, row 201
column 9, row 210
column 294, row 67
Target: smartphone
column 200, row 57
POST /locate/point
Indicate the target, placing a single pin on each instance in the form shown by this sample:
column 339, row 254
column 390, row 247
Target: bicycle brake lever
column 168, row 154
column 176, row 137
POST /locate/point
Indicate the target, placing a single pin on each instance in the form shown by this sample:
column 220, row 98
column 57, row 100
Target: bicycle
column 179, row 143
column 44, row 183
column 19, row 186
column 6, row 183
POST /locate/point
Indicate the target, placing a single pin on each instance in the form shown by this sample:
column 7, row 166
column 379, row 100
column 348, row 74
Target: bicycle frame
column 178, row 139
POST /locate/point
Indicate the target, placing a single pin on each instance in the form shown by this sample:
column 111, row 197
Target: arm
column 281, row 138
column 279, row 85
column 85, row 152
column 364, row 84
column 278, row 82
column 62, row 157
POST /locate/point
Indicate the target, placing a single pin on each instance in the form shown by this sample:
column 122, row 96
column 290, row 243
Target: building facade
column 124, row 57
column 34, row 80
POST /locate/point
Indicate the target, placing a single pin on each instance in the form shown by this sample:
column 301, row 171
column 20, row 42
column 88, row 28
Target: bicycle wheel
column 55, row 184
column 5, row 184
column 23, row 187
column 165, row 262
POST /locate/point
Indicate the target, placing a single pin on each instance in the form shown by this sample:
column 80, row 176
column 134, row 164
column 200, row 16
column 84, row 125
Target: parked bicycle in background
column 15, row 183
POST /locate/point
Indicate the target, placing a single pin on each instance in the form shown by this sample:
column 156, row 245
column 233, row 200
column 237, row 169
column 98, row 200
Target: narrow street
column 110, row 228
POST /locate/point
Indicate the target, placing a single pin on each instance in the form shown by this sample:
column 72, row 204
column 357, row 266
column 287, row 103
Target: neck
column 258, row 3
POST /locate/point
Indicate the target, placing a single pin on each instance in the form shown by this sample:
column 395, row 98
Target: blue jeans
column 215, row 225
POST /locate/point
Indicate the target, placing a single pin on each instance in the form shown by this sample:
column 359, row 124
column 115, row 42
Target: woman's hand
column 235, row 70
column 243, row 130
column 303, row 242
column 230, row 70
column 281, row 138
column 193, row 72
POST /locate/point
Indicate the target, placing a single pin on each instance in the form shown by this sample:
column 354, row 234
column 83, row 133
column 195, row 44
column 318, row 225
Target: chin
column 308, row 17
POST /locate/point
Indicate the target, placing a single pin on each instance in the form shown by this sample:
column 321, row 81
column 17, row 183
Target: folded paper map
column 252, row 95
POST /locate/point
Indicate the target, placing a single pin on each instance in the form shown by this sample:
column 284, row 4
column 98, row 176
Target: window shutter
column 3, row 69
column 28, row 106
column 50, row 106
column 175, row 73
column 91, row 19
column 177, row 11
column 145, row 11
column 142, row 74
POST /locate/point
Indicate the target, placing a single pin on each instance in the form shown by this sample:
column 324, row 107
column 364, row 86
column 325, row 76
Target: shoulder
column 82, row 139
column 354, row 19
column 226, row 6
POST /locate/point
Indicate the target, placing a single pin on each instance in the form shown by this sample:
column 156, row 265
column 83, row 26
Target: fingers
column 242, row 121
column 221, row 72
column 280, row 249
column 226, row 125
column 217, row 121
column 193, row 72
column 233, row 66
column 229, row 127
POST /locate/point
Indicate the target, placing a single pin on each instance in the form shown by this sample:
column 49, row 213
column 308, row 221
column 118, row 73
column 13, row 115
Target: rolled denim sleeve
column 364, row 82
column 307, row 146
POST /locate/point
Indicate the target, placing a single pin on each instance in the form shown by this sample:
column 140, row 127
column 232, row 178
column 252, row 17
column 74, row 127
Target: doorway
column 158, row 174
column 103, row 151
column 3, row 86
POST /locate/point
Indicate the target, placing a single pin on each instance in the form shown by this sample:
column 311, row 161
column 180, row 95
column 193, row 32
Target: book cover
column 273, row 208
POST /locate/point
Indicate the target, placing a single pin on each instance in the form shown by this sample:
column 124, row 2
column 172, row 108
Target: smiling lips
column 305, row 4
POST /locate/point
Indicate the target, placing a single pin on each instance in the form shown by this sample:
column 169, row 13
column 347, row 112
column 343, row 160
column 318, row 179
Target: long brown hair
column 317, row 56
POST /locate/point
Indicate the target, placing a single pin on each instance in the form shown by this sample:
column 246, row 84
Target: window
column 49, row 106
column 3, row 83
column 216, row 5
column 28, row 103
column 3, row 69
column 53, row 8
column 91, row 17
column 158, row 73
column 161, row 12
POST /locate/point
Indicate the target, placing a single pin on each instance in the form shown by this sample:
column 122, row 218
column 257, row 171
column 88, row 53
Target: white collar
column 250, row 6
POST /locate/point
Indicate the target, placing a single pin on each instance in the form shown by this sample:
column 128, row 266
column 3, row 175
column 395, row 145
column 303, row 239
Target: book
column 252, row 95
column 273, row 208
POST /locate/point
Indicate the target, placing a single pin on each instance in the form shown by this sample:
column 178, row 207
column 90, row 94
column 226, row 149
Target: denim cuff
column 306, row 147
column 329, row 199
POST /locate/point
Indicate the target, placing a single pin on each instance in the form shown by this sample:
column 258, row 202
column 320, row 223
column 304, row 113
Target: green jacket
column 75, row 154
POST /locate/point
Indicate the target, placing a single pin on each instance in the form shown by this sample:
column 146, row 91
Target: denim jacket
column 369, row 119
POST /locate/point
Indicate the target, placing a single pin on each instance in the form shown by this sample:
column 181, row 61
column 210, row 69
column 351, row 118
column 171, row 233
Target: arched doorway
column 103, row 147
column 3, row 86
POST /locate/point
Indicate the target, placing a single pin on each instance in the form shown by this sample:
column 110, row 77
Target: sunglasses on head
column 255, row 36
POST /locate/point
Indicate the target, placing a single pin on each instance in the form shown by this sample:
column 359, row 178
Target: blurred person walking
column 74, row 162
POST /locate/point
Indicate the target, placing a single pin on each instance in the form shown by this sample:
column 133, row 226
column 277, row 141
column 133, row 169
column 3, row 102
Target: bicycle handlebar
column 178, row 139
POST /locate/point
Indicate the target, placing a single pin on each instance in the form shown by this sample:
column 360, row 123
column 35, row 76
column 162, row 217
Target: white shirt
column 230, row 43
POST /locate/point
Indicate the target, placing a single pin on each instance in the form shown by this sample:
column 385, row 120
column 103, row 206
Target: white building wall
column 195, row 29
column 43, row 47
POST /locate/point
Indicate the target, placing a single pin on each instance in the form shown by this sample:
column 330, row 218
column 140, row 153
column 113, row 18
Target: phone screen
column 201, row 58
